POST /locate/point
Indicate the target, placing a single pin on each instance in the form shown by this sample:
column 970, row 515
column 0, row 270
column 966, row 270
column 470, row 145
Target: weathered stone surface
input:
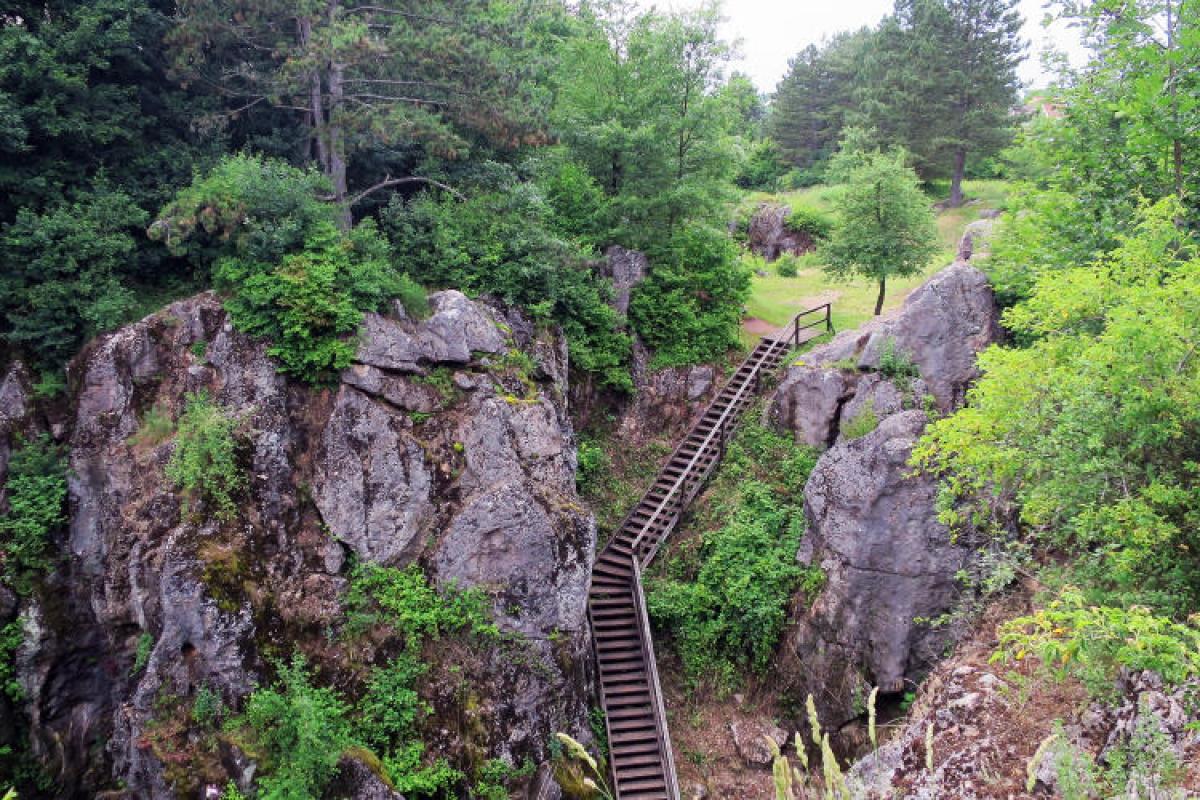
column 888, row 563
column 15, row 408
column 431, row 449
column 873, row 528
column 455, row 330
column 359, row 781
column 769, row 236
column 986, row 736
column 943, row 325
column 371, row 483
column 809, row 402
column 626, row 269
column 750, row 740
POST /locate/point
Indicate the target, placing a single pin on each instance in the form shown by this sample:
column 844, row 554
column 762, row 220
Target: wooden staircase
column 643, row 767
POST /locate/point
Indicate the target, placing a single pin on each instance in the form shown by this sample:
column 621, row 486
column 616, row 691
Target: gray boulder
column 626, row 269
column 890, row 568
column 769, row 236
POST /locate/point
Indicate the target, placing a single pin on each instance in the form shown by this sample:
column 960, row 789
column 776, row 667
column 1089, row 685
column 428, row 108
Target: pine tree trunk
column 879, row 300
column 337, row 148
column 956, row 192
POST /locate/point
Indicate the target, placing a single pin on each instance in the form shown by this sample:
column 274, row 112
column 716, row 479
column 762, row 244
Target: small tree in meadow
column 885, row 226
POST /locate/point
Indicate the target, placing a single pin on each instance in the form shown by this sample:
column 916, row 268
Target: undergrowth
column 724, row 595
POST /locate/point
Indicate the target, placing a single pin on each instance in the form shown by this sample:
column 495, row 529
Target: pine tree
column 943, row 82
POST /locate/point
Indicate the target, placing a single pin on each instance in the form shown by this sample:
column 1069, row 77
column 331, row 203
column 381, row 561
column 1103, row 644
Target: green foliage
column 65, row 276
column 298, row 733
column 895, row 363
column 494, row 776
column 593, row 462
column 863, row 423
column 810, row 221
column 156, row 427
column 1090, row 428
column 885, row 227
column 141, row 655
column 787, row 266
column 207, row 707
column 292, row 276
column 12, row 636
column 689, row 309
column 1094, row 642
column 638, row 108
column 727, row 611
column 37, row 492
column 501, row 243
column 203, row 465
column 404, row 600
column 311, row 301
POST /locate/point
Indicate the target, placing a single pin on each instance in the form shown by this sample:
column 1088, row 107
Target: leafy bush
column 155, row 427
column 727, row 610
column 37, row 491
column 501, row 243
column 290, row 274
column 204, row 463
column 1091, row 429
column 811, row 221
column 309, row 302
column 689, row 308
column 404, row 600
column 66, row 274
column 787, row 266
column 1093, row 642
column 863, row 423
column 247, row 207
column 297, row 731
column 592, row 463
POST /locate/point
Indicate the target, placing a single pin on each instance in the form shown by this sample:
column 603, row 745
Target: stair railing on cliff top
column 720, row 428
column 827, row 321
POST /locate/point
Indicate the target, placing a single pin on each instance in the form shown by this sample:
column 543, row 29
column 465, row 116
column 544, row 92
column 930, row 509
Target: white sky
column 772, row 31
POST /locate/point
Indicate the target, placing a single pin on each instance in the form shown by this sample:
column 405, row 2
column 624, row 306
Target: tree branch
column 389, row 182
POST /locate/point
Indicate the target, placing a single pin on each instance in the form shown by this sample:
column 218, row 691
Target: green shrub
column 156, row 427
column 404, row 600
column 141, row 654
column 863, row 423
column 204, row 465
column 813, row 222
column 502, row 243
column 787, row 266
column 593, row 462
column 297, row 732
column 689, row 309
column 895, row 363
column 1090, row 429
column 309, row 303
column 37, row 491
column 492, row 779
column 727, row 611
column 290, row 274
column 1069, row 636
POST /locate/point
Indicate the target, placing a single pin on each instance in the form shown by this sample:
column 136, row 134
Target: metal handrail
column 660, row 710
column 687, row 471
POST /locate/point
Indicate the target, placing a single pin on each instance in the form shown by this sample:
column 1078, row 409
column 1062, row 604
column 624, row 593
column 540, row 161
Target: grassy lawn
column 776, row 300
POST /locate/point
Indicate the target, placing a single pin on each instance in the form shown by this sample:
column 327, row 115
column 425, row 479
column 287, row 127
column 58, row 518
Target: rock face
column 440, row 445
column 769, row 236
column 626, row 269
column 988, row 732
column 872, row 527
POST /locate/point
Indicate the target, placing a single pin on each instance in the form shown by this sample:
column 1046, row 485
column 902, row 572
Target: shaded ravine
column 639, row 741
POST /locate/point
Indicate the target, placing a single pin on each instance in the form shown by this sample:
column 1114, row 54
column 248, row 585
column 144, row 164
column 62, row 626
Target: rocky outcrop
column 769, row 236
column 991, row 730
column 626, row 269
column 890, row 566
column 446, row 443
